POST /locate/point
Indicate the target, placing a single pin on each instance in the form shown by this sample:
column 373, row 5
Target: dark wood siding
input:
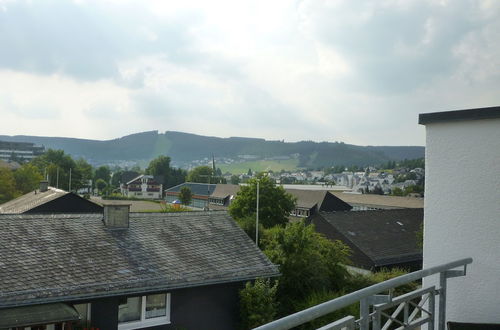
column 212, row 307
column 69, row 203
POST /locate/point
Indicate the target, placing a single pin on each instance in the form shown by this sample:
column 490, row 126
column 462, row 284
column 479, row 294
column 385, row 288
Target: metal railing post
column 364, row 311
column 432, row 310
column 442, row 301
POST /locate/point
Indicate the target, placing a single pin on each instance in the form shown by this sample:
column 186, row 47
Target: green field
column 260, row 166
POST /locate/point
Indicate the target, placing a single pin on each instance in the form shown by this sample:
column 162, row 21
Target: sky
column 353, row 71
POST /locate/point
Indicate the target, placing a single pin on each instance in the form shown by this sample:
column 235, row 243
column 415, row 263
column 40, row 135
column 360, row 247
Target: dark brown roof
column 386, row 237
column 51, row 258
column 225, row 190
column 309, row 198
column 380, row 201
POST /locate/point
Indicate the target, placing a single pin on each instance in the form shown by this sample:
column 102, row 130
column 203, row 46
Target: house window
column 145, row 311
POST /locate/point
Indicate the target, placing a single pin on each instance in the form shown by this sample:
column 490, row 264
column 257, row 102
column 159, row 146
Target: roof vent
column 44, row 186
column 116, row 216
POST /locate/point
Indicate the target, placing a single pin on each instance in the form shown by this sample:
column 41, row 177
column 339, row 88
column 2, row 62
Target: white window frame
column 144, row 322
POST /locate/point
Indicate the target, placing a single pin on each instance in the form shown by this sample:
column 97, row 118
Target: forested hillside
column 185, row 147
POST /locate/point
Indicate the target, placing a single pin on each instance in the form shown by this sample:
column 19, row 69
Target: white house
column 143, row 186
column 462, row 208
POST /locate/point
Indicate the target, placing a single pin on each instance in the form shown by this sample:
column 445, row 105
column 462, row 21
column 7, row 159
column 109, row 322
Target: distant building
column 363, row 202
column 49, row 200
column 143, row 186
column 19, row 151
column 201, row 192
column 308, row 201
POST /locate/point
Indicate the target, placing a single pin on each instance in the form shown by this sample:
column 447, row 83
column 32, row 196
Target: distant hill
column 185, row 147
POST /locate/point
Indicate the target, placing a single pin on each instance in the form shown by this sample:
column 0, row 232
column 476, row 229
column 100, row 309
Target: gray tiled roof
column 385, row 236
column 201, row 189
column 31, row 200
column 47, row 258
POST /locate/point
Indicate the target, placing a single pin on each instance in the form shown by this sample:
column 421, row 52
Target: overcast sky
column 352, row 71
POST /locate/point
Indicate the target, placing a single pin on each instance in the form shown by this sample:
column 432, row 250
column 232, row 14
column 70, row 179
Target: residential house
column 378, row 238
column 308, row 201
column 200, row 193
column 49, row 200
column 126, row 270
column 223, row 195
column 143, row 186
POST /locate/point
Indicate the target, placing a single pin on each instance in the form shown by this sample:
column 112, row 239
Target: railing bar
column 314, row 312
column 394, row 314
column 394, row 319
column 418, row 306
column 347, row 321
column 442, row 301
column 432, row 308
column 405, row 297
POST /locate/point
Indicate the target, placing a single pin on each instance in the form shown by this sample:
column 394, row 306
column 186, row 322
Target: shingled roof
column 36, row 199
column 380, row 201
column 51, row 258
column 310, row 198
column 378, row 238
column 200, row 189
column 225, row 190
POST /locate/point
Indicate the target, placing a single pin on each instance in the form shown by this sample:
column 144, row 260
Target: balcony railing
column 407, row 311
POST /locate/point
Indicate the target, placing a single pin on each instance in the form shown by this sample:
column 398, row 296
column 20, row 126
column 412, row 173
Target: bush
column 258, row 303
column 318, row 297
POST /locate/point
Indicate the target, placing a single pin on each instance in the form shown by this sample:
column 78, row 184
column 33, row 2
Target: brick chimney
column 116, row 216
column 44, row 186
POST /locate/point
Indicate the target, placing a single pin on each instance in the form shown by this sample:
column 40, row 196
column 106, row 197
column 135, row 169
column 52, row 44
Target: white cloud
column 313, row 70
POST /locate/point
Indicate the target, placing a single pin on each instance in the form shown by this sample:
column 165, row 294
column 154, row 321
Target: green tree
column 235, row 179
column 258, row 303
column 7, row 185
column 249, row 173
column 185, row 195
column 275, row 204
column 305, row 257
column 100, row 185
column 27, row 178
column 103, row 173
column 82, row 174
column 57, row 165
column 201, row 174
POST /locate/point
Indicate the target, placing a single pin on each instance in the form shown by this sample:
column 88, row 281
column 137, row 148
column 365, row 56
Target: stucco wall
column 462, row 214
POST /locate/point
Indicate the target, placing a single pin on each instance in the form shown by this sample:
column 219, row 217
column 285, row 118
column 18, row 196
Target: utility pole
column 257, row 218
column 69, row 180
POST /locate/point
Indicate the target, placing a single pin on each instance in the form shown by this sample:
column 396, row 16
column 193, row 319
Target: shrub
column 258, row 303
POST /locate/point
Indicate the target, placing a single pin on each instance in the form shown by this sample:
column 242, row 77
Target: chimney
column 116, row 216
column 44, row 186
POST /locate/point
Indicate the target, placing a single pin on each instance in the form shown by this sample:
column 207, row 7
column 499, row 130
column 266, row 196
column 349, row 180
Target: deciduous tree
column 185, row 195
column 275, row 204
column 27, row 178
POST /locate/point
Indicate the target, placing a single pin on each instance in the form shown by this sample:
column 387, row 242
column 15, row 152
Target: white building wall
column 462, row 214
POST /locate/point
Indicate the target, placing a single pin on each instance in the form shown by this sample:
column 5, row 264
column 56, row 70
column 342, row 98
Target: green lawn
column 259, row 166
